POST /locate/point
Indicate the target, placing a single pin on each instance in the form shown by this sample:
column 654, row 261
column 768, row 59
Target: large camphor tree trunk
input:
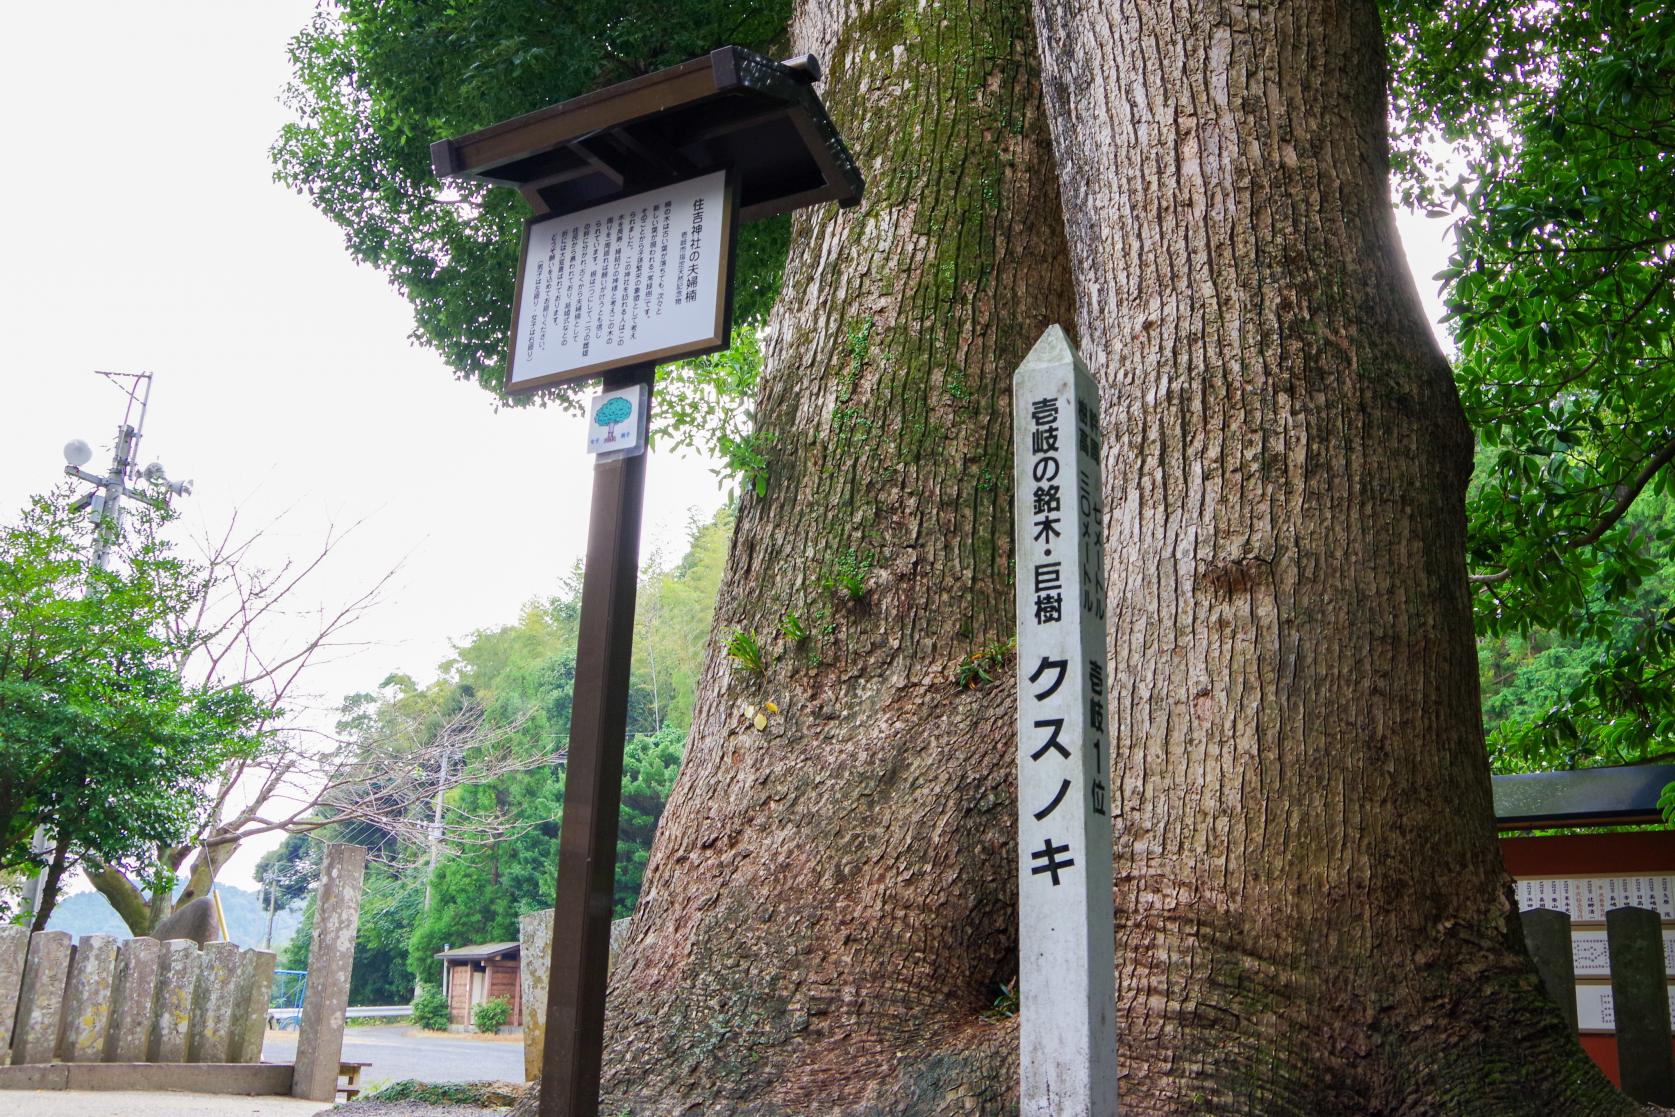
column 1312, row 914
column 829, row 907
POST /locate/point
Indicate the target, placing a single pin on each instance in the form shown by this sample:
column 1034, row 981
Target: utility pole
column 105, row 502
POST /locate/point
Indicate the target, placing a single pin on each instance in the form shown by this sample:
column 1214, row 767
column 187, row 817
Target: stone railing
column 137, row 1001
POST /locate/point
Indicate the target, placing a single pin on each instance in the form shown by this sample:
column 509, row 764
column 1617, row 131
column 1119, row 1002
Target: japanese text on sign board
column 637, row 275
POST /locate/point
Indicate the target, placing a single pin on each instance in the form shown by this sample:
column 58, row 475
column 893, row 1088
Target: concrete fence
column 137, row 1001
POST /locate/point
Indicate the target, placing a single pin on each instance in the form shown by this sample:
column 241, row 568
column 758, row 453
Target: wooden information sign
column 637, row 280
column 636, row 189
column 1066, row 969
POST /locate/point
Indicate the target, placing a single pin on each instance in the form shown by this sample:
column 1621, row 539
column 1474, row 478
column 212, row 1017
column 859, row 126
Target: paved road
column 428, row 1057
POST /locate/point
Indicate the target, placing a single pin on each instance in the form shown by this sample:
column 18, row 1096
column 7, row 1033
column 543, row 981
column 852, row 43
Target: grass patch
column 484, row 1095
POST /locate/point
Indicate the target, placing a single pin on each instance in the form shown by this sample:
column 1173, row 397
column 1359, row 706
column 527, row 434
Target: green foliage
column 1599, row 689
column 520, row 677
column 375, row 82
column 481, row 1095
column 100, row 740
column 490, row 1015
column 707, row 404
column 286, row 874
column 1006, row 1002
column 430, row 1009
column 1545, row 130
column 860, row 344
column 746, row 652
column 980, row 667
column 649, row 766
column 792, row 626
column 848, row 575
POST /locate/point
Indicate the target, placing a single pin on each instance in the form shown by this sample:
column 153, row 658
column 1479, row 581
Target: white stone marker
column 535, row 936
column 1066, row 969
column 331, row 959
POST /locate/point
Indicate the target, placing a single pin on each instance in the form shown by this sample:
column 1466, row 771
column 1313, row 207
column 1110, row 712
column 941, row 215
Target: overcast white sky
column 143, row 231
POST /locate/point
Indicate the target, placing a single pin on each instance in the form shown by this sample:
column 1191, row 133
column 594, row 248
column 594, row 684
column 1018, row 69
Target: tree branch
column 1626, row 494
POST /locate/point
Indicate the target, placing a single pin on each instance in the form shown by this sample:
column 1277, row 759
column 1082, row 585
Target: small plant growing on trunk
column 849, row 574
column 746, row 651
column 979, row 668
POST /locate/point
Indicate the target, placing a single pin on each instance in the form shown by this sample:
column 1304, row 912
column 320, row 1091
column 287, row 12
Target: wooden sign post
column 1066, row 969
column 638, row 190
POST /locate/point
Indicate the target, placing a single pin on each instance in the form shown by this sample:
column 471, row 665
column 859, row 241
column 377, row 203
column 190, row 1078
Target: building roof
column 481, row 953
column 1620, row 796
column 730, row 109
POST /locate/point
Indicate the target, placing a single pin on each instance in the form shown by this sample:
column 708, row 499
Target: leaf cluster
column 101, row 740
column 376, row 82
column 499, row 836
column 1547, row 130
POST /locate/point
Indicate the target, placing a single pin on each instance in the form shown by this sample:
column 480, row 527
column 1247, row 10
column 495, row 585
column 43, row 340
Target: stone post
column 137, row 963
column 1067, row 1033
column 177, row 984
column 40, row 1004
column 331, row 956
column 213, row 1005
column 87, row 1000
column 250, row 1008
column 1640, row 1004
column 535, row 938
column 1547, row 937
column 14, row 949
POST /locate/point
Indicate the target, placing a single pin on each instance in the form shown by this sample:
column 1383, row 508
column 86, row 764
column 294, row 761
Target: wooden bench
column 350, row 1073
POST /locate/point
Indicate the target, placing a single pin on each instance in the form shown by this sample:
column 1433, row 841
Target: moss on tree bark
column 829, row 907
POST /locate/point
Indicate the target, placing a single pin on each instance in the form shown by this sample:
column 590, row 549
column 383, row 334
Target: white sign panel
column 1591, row 952
column 1588, row 898
column 1594, row 1009
column 1066, row 969
column 616, row 423
column 638, row 279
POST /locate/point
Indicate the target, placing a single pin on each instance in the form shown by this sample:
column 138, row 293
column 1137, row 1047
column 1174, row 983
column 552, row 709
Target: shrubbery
column 430, row 1009
column 491, row 1014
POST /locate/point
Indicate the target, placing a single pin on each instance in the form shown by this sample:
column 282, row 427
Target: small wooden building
column 474, row 974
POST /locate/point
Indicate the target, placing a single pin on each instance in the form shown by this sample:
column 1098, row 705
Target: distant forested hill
column 88, row 913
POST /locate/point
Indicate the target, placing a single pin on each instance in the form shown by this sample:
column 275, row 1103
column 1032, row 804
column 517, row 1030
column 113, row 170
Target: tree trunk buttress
column 1312, row 916
column 830, row 905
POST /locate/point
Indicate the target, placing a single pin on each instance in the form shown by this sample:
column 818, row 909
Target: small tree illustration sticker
column 612, row 414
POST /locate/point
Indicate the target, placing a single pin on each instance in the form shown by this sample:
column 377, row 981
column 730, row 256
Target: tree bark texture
column 1312, row 917
column 142, row 912
column 829, row 908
